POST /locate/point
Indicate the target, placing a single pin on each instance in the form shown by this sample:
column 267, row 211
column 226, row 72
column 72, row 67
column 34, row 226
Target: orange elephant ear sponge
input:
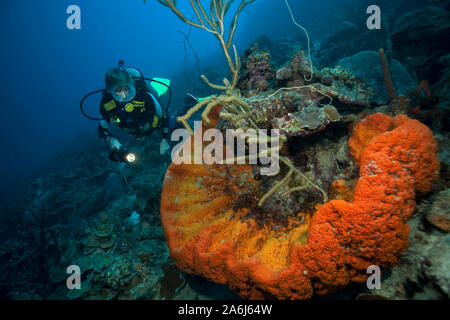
column 421, row 160
column 208, row 234
column 412, row 144
column 398, row 159
column 365, row 131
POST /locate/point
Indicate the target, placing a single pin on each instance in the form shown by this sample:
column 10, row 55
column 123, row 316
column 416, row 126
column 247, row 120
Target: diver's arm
column 103, row 133
column 163, row 122
column 103, row 129
column 103, row 125
column 165, row 127
column 165, row 133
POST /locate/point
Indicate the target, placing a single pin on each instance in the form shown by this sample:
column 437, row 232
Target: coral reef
column 257, row 71
column 438, row 215
column 366, row 65
column 232, row 227
column 351, row 172
column 311, row 255
column 423, row 270
column 100, row 236
column 85, row 221
column 298, row 107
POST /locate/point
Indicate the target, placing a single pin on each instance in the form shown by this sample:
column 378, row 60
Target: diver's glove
column 163, row 147
column 113, row 143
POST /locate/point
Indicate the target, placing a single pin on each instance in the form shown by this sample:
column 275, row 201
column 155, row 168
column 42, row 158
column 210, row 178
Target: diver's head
column 120, row 85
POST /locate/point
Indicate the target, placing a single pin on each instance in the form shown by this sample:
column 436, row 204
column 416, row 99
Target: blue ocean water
column 54, row 164
column 47, row 68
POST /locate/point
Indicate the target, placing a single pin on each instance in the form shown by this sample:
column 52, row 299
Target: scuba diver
column 132, row 102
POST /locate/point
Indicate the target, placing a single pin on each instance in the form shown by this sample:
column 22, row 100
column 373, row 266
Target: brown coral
column 99, row 236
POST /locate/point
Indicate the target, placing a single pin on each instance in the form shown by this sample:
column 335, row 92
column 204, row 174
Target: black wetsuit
column 137, row 117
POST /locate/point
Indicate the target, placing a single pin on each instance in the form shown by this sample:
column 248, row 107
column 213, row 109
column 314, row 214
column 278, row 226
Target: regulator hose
column 102, row 90
column 82, row 101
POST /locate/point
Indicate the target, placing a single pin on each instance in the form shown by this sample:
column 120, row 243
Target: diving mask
column 123, row 92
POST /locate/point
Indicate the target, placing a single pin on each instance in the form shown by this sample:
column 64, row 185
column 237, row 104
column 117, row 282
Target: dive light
column 122, row 156
column 130, row 157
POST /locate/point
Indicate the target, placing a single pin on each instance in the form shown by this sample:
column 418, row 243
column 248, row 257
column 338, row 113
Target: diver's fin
column 160, row 88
